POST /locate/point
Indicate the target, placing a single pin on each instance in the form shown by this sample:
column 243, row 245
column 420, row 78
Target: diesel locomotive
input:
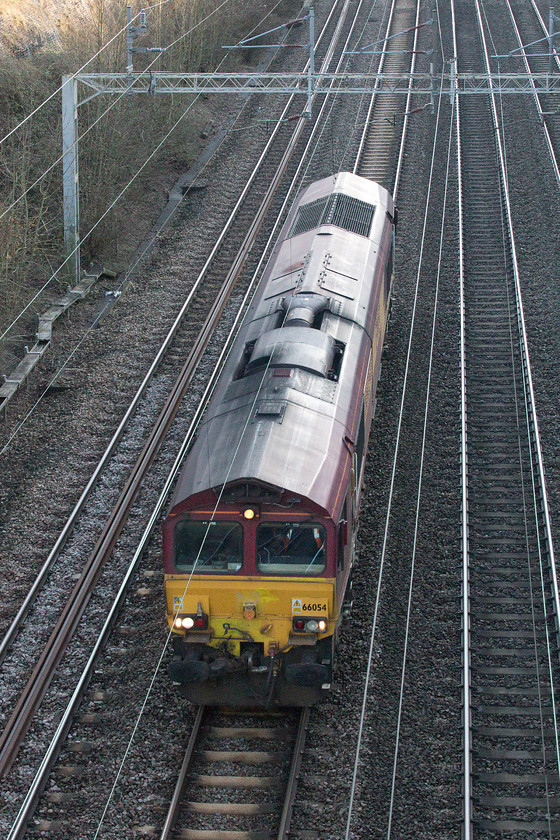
column 258, row 541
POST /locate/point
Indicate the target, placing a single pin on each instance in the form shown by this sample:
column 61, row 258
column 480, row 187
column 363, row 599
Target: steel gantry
column 308, row 83
column 422, row 83
column 161, row 83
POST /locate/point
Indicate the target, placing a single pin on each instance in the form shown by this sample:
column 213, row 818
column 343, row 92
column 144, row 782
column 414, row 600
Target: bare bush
column 117, row 140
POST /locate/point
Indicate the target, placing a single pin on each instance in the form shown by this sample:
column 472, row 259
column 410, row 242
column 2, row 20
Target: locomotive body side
column 258, row 541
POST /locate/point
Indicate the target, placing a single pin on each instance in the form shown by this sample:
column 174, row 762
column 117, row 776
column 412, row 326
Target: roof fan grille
column 309, row 216
column 350, row 213
column 339, row 209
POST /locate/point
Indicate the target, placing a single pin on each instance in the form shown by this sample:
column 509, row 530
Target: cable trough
column 511, row 665
column 18, row 377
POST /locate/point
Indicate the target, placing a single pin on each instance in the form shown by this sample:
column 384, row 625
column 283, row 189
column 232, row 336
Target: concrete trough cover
column 44, row 334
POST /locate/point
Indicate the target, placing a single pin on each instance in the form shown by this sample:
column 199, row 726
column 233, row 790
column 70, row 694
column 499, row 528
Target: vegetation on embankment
column 120, row 134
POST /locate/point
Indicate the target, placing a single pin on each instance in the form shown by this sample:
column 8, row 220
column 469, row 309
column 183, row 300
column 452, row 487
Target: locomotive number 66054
column 258, row 542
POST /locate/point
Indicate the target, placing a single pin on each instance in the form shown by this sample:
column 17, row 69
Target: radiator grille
column 350, row 213
column 341, row 210
column 309, row 216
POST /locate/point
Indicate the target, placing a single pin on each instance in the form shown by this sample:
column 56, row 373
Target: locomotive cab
column 255, row 618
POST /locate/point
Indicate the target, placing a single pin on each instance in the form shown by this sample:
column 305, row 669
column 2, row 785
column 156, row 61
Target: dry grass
column 31, row 245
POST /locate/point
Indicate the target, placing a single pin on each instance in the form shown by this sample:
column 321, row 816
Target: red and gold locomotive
column 258, row 543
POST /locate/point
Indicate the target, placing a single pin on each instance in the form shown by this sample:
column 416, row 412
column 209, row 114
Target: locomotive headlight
column 309, row 625
column 184, row 623
column 249, row 513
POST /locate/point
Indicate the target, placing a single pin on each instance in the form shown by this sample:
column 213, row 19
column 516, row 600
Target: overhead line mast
column 154, row 82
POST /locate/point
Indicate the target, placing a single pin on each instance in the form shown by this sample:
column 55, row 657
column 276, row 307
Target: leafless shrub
column 117, row 140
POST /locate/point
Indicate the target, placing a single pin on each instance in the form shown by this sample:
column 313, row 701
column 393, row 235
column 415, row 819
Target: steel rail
column 525, row 56
column 400, row 160
column 291, row 786
column 293, row 779
column 366, row 135
column 466, row 669
column 545, row 31
column 531, row 404
column 49, row 563
column 372, row 100
column 536, row 460
column 525, row 350
column 386, row 529
column 177, row 797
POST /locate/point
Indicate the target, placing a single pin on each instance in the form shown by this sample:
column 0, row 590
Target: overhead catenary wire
column 421, row 469
column 372, row 61
column 126, row 276
column 333, row 94
column 149, row 244
column 109, row 108
column 347, row 60
column 131, row 269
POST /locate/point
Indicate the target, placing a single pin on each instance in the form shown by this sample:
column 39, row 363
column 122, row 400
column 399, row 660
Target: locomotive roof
column 276, row 417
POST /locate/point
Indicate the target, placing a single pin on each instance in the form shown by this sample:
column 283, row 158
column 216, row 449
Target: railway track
column 530, row 32
column 380, row 152
column 20, row 720
column 512, row 786
column 267, row 753
column 510, row 592
column 32, row 694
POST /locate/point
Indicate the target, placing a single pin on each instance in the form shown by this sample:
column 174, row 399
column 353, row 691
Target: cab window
column 291, row 548
column 208, row 547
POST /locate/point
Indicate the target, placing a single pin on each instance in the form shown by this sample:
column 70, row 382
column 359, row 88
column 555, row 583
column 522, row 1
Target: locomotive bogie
column 301, row 677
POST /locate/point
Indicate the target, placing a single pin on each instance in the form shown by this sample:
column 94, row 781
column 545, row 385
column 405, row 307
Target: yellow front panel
column 276, row 600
